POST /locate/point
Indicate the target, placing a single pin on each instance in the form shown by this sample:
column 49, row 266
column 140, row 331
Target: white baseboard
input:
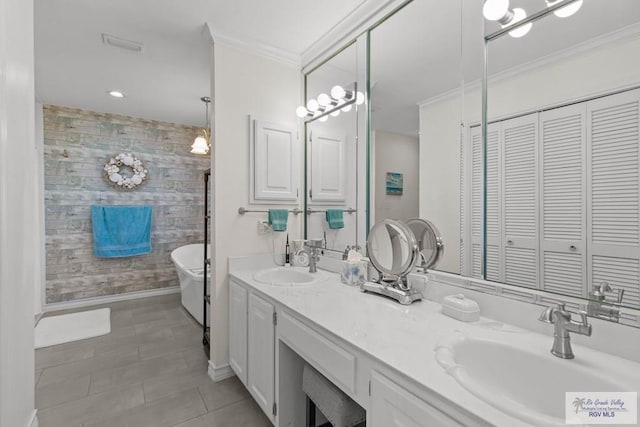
column 34, row 419
column 219, row 373
column 87, row 302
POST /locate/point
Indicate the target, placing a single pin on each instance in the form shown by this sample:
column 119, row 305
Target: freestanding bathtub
column 188, row 260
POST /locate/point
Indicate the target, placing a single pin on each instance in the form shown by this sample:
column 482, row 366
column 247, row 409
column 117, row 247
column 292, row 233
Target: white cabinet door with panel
column 238, row 330
column 393, row 406
column 275, row 163
column 328, row 163
column 261, row 350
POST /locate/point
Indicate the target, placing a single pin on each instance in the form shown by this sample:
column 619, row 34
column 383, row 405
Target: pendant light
column 202, row 143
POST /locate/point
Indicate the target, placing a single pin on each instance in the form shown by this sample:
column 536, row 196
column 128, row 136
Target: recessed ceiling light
column 116, row 94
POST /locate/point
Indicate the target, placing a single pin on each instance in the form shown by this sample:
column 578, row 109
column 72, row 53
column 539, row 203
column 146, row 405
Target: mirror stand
column 392, row 290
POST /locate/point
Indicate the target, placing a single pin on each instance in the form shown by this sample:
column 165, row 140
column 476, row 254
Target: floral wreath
column 114, row 167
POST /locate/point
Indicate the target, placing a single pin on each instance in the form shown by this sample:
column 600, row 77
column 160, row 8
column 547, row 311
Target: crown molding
column 261, row 49
column 367, row 14
column 626, row 33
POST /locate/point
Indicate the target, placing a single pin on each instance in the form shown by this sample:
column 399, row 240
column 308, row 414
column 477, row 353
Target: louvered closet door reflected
column 520, row 210
column 563, row 197
column 477, row 189
column 613, row 189
column 494, row 268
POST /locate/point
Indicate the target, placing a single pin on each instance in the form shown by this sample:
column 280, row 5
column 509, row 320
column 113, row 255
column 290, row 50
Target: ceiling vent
column 129, row 45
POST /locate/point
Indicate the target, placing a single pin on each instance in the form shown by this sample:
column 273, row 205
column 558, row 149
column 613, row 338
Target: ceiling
column 165, row 82
column 415, row 55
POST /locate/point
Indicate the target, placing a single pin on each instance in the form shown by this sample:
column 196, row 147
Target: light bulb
column 301, row 111
column 347, row 108
column 338, row 92
column 335, row 113
column 518, row 15
column 312, row 105
column 494, row 10
column 566, row 11
column 323, row 118
column 324, row 99
column 200, row 145
column 359, row 98
column 116, row 94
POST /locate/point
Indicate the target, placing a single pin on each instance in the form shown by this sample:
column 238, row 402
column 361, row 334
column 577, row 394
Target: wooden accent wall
column 77, row 144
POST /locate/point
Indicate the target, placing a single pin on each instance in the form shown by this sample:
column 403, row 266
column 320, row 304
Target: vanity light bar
column 340, row 100
column 541, row 13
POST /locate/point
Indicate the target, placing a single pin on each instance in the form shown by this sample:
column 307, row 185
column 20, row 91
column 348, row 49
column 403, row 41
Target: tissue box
column 353, row 273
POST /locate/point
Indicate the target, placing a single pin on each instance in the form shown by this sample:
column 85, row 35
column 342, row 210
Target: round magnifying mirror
column 429, row 241
column 392, row 249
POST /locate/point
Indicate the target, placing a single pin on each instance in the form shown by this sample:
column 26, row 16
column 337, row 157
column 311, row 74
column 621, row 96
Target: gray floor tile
column 166, row 387
column 161, row 386
column 59, row 355
column 86, row 366
column 62, row 391
column 165, row 412
column 136, row 372
column 92, row 407
column 242, row 414
column 222, row 393
column 171, row 345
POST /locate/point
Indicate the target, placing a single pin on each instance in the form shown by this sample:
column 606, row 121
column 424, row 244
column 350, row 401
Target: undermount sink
column 525, row 381
column 288, row 276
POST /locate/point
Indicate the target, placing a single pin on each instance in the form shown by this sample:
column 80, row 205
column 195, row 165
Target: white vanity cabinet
column 238, row 305
column 393, row 406
column 252, row 344
column 261, row 353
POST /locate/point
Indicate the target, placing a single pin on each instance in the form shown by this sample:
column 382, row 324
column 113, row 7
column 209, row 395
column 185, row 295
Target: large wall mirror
column 416, row 113
column 562, row 148
column 336, row 150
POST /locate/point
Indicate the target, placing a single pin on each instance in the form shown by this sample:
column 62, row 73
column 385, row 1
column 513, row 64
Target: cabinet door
column 275, row 162
column 261, row 353
column 393, row 406
column 520, row 238
column 238, row 330
column 328, row 183
column 563, row 194
column 613, row 186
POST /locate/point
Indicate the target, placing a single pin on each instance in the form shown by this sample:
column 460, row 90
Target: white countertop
column 404, row 337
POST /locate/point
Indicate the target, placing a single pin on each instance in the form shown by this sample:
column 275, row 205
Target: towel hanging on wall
column 121, row 231
column 278, row 219
column 335, row 218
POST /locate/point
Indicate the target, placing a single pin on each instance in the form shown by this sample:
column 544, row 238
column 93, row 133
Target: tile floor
column 151, row 370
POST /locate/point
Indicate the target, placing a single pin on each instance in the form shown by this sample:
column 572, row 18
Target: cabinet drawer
column 332, row 360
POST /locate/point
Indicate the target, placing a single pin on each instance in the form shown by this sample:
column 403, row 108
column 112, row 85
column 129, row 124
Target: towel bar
column 243, row 211
column 312, row 211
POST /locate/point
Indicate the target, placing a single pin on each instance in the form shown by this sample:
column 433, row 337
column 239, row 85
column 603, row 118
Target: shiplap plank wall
column 77, row 144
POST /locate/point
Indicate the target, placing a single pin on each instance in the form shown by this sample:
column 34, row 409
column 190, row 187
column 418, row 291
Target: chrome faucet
column 598, row 305
column 345, row 254
column 563, row 325
column 313, row 245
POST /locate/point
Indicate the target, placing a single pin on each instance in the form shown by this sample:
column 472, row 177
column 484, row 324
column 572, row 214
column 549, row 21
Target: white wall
column 440, row 175
column 244, row 84
column 18, row 213
column 396, row 153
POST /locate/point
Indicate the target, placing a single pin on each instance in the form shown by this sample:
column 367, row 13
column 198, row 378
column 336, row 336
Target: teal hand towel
column 335, row 218
column 278, row 219
column 121, row 231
